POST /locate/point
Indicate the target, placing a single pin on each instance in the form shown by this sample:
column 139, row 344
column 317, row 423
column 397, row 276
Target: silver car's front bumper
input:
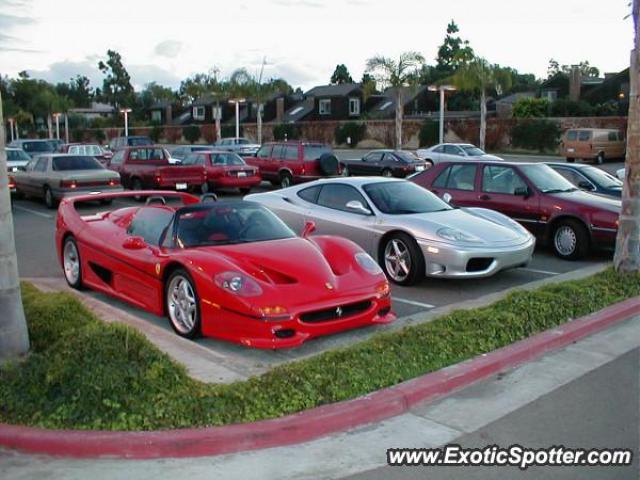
column 450, row 261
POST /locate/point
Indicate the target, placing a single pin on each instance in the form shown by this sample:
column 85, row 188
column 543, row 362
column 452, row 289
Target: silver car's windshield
column 402, row 198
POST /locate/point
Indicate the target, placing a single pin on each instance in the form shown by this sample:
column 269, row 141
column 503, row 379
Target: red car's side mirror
column 309, row 228
column 134, row 243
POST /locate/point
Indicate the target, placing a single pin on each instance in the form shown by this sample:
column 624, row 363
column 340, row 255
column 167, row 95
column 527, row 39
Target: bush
column 531, row 108
column 191, row 133
column 77, row 135
column 286, row 131
column 156, row 132
column 229, row 131
column 564, row 107
column 534, row 134
column 429, row 133
column 100, row 136
column 351, row 133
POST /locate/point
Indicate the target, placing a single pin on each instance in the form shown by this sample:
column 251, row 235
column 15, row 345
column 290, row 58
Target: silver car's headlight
column 368, row 263
column 454, row 235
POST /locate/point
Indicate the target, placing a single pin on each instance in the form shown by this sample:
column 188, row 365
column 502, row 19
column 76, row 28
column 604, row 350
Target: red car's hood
column 580, row 197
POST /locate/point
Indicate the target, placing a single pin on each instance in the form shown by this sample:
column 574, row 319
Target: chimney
column 279, row 109
column 574, row 83
column 168, row 117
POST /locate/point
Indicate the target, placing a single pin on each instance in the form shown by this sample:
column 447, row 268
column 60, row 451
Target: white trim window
column 324, row 106
column 198, row 113
column 354, row 106
column 156, row 116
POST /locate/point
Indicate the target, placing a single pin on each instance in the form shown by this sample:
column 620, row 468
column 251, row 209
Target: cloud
column 143, row 74
column 8, row 22
column 293, row 74
column 168, row 48
column 298, row 3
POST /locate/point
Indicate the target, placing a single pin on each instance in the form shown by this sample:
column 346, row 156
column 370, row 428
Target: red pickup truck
column 148, row 167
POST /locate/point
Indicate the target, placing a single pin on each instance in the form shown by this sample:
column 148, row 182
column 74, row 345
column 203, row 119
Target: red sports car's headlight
column 238, row 284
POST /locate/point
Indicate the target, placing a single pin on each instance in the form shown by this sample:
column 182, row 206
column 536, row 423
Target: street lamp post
column 126, row 112
column 237, row 101
column 441, row 89
column 56, row 115
column 10, row 119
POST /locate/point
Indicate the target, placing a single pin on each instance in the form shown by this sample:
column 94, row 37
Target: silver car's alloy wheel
column 397, row 260
column 48, row 197
column 285, row 181
column 565, row 240
column 345, row 171
column 71, row 261
column 181, row 304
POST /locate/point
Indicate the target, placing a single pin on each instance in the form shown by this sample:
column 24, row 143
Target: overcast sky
column 301, row 40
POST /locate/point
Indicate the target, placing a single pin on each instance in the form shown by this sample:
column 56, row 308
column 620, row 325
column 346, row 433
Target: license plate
column 419, row 168
column 181, row 186
column 242, row 174
column 571, row 150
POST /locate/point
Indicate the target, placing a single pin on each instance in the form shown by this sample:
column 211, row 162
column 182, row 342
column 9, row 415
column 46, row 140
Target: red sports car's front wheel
column 183, row 304
column 71, row 263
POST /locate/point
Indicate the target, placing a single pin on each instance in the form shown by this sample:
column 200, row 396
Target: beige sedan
column 56, row 176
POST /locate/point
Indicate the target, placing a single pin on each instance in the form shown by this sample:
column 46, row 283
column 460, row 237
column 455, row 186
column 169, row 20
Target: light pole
column 56, row 115
column 442, row 89
column 237, row 101
column 10, row 119
column 126, row 112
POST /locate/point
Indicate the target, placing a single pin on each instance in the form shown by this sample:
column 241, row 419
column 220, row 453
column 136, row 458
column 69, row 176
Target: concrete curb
column 314, row 423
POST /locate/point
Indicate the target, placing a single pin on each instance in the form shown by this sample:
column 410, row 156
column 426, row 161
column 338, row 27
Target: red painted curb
column 314, row 423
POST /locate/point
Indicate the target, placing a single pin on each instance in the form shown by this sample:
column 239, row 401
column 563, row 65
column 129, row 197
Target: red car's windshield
column 227, row 224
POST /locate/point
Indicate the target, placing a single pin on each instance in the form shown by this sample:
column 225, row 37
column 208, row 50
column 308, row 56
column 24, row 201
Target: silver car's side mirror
column 356, row 206
column 447, row 197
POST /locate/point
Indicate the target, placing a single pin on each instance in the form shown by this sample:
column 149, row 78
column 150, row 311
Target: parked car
column 150, row 167
column 620, row 174
column 452, row 152
column 130, row 141
column 225, row 170
column 597, row 144
column 570, row 220
column 241, row 146
column 92, row 149
column 589, row 178
column 34, row 146
column 58, row 175
column 17, row 159
column 286, row 163
column 182, row 151
column 388, row 163
column 408, row 230
column 230, row 270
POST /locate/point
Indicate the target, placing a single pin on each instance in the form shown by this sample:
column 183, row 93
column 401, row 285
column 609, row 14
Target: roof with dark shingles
column 339, row 90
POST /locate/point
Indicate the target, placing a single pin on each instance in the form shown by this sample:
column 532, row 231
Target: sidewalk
column 455, row 418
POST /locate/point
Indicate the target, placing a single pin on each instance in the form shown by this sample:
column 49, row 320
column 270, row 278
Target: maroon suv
column 286, row 163
column 568, row 219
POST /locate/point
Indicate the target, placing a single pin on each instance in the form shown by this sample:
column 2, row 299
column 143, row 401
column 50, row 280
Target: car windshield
column 85, row 149
column 242, row 141
column 401, row 198
column 314, row 152
column 407, row 157
column 17, row 156
column 38, row 147
column 546, row 179
column 76, row 163
column 228, row 224
column 472, row 151
column 602, row 178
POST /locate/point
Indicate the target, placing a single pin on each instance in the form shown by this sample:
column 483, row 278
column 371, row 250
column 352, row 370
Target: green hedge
column 536, row 134
column 429, row 133
column 86, row 374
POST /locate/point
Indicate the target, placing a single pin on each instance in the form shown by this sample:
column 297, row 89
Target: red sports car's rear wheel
column 183, row 304
column 71, row 263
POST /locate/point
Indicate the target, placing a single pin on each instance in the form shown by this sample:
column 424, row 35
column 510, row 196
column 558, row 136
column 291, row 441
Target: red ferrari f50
column 231, row 270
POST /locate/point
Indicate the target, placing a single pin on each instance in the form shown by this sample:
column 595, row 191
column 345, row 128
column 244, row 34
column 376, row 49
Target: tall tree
column 478, row 76
column 14, row 336
column 196, row 86
column 627, row 255
column 369, row 87
column 396, row 74
column 116, row 86
column 341, row 75
column 453, row 51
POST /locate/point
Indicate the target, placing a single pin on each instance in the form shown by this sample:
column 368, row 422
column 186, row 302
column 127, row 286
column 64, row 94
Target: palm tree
column 14, row 337
column 627, row 255
column 477, row 75
column 396, row 74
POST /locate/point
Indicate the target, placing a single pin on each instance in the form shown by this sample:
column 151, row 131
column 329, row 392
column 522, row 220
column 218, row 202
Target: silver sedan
column 454, row 152
column 407, row 229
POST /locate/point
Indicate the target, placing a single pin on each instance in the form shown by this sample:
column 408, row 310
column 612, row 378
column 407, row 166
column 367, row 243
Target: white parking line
column 411, row 302
column 533, row 270
column 35, row 212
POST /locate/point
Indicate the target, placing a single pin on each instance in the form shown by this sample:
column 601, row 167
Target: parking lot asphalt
column 35, row 229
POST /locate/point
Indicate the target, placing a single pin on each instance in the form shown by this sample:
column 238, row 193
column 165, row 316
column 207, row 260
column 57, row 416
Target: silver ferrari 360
column 407, row 229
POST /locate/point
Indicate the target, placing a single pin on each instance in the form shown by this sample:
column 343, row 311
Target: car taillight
column 158, row 179
column 12, row 182
column 112, row 183
column 68, row 184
